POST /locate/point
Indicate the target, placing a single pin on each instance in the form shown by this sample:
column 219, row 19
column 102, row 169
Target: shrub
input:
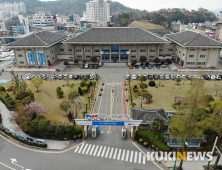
column 76, row 61
column 9, row 99
column 152, row 83
column 60, row 129
column 143, row 86
column 93, row 59
column 51, row 128
column 27, row 100
column 82, row 84
column 90, row 83
column 43, row 125
column 22, row 95
column 59, row 92
column 80, row 91
column 7, row 96
column 85, row 79
column 9, row 89
column 146, row 64
column 83, row 61
column 73, row 95
column 134, row 62
column 156, row 60
column 168, row 61
column 70, row 129
column 12, row 102
column 135, row 86
column 178, row 80
column 66, row 63
column 34, row 124
column 2, row 88
column 147, row 96
column 143, row 58
column 84, row 89
column 135, row 90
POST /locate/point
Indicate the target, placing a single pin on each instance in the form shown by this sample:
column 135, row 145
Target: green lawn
column 47, row 96
column 163, row 97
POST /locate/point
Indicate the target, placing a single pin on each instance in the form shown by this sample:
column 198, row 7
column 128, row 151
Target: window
column 18, row 49
column 202, row 56
column 152, row 50
column 96, row 50
column 143, row 50
column 179, row 51
column 88, row 56
column 88, row 51
column 69, row 49
column 47, row 56
column 21, row 62
column 79, row 56
column 106, row 50
column 192, row 50
column 190, row 63
column 161, row 49
column 151, row 56
column 133, row 50
column 170, row 49
column 203, row 49
column 124, row 50
column 201, row 63
column 78, row 50
column 20, row 55
column 183, row 54
column 191, row 56
column 52, row 51
column 61, row 49
column 133, row 56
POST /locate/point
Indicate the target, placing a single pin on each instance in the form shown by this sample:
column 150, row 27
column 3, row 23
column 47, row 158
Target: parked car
column 134, row 77
column 127, row 77
column 136, row 66
column 92, row 77
column 60, row 77
column 213, row 77
column 95, row 66
column 177, row 76
column 91, row 66
column 45, row 77
column 172, row 77
column 87, row 65
column 71, row 77
column 206, row 77
column 156, row 77
column 131, row 67
column 218, row 77
column 167, row 77
column 150, row 66
column 143, row 67
column 150, row 77
column 101, row 89
column 183, row 77
column 65, row 76
column 76, row 77
column 80, row 77
column 54, row 77
column 162, row 77
column 87, row 75
column 158, row 67
column 100, row 93
column 82, row 66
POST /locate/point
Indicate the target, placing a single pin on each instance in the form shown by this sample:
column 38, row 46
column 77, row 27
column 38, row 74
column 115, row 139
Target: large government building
column 190, row 49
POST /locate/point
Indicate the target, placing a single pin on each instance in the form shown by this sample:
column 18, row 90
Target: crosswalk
column 111, row 153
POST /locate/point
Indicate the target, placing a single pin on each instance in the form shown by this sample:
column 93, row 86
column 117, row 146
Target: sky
column 154, row 5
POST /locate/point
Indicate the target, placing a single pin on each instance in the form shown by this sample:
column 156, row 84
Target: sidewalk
column 52, row 144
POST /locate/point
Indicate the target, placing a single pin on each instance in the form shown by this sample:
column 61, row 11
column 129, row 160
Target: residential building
column 20, row 29
column 43, row 21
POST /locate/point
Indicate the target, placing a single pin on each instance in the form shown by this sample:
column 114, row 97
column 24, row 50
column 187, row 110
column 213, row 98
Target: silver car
column 134, row 77
column 167, row 77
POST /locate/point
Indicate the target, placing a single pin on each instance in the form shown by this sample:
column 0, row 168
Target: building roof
column 43, row 38
column 148, row 115
column 117, row 35
column 192, row 38
column 160, row 32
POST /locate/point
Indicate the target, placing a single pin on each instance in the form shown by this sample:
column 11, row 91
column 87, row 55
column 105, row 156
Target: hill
column 145, row 25
column 66, row 7
column 216, row 11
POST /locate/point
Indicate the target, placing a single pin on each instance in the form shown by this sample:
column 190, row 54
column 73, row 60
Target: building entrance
column 115, row 57
column 124, row 57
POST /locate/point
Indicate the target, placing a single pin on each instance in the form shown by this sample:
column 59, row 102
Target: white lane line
column 81, row 147
column 140, row 155
column 127, row 155
column 144, row 159
column 96, row 150
column 88, row 149
column 114, row 156
column 110, row 155
column 7, row 166
column 100, row 149
column 131, row 156
column 135, row 158
column 104, row 149
column 123, row 155
column 107, row 152
column 76, row 149
column 84, row 149
column 119, row 154
column 92, row 150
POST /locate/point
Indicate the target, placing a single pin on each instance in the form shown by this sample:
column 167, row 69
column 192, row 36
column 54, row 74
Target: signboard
column 189, row 144
column 115, row 48
column 102, row 123
column 121, row 52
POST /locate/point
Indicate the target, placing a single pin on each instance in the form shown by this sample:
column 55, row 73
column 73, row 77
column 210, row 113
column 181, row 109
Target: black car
column 101, row 89
column 87, row 75
column 96, row 66
column 207, row 77
column 150, row 77
column 136, row 67
column 158, row 67
column 156, row 77
column 100, row 93
column 82, row 66
column 150, row 67
column 143, row 67
column 81, row 77
column 91, row 66
column 76, row 77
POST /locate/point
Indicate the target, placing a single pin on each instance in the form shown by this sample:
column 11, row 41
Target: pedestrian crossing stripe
column 117, row 100
column 111, row 153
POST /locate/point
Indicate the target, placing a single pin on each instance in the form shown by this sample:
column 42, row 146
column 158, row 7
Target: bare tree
column 141, row 101
column 191, row 78
column 15, row 78
column 76, row 106
column 210, row 90
column 217, row 88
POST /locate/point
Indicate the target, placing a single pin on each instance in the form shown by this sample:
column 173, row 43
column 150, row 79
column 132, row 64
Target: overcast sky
column 153, row 5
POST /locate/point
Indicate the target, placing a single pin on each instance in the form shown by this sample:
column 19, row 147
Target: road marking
column 97, row 98
column 144, row 159
column 7, row 166
column 92, row 150
column 81, row 147
column 123, row 155
column 76, row 149
column 140, row 155
column 131, row 156
column 119, row 154
column 96, row 150
column 110, row 156
column 114, row 156
column 84, row 149
column 65, row 145
column 111, row 107
column 107, row 152
column 135, row 158
column 127, row 155
column 99, row 150
column 88, row 149
column 104, row 149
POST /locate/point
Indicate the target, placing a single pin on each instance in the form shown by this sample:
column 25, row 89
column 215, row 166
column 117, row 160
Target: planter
column 75, row 136
column 145, row 143
column 79, row 135
column 140, row 140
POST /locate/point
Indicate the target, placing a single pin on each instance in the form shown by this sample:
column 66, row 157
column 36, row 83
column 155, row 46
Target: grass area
column 154, row 139
column 146, row 25
column 163, row 97
column 47, row 96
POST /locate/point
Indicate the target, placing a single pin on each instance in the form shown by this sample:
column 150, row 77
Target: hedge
column 7, row 104
column 0, row 118
column 155, row 141
column 24, row 141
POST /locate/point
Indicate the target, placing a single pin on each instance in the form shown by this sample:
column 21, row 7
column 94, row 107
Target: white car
column 167, row 77
column 65, row 76
column 213, row 77
column 218, row 77
column 183, row 76
column 177, row 76
column 71, row 77
column 87, row 65
column 134, row 77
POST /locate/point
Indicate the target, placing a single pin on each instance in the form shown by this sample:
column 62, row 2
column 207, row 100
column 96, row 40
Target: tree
column 85, row 79
column 43, row 125
column 168, row 61
column 152, row 83
column 133, row 62
column 64, row 106
column 80, row 91
column 93, row 59
column 143, row 86
column 76, row 106
column 191, row 78
column 142, row 78
column 59, row 92
column 23, row 86
column 154, row 125
column 15, row 80
column 141, row 101
column 66, row 63
column 76, row 61
column 36, row 82
column 133, row 104
column 217, row 88
column 209, row 98
column 143, row 58
column 156, row 60
column 70, row 129
column 73, row 95
column 27, row 100
column 178, row 80
column 161, row 123
column 162, row 62
column 147, row 96
column 83, row 83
